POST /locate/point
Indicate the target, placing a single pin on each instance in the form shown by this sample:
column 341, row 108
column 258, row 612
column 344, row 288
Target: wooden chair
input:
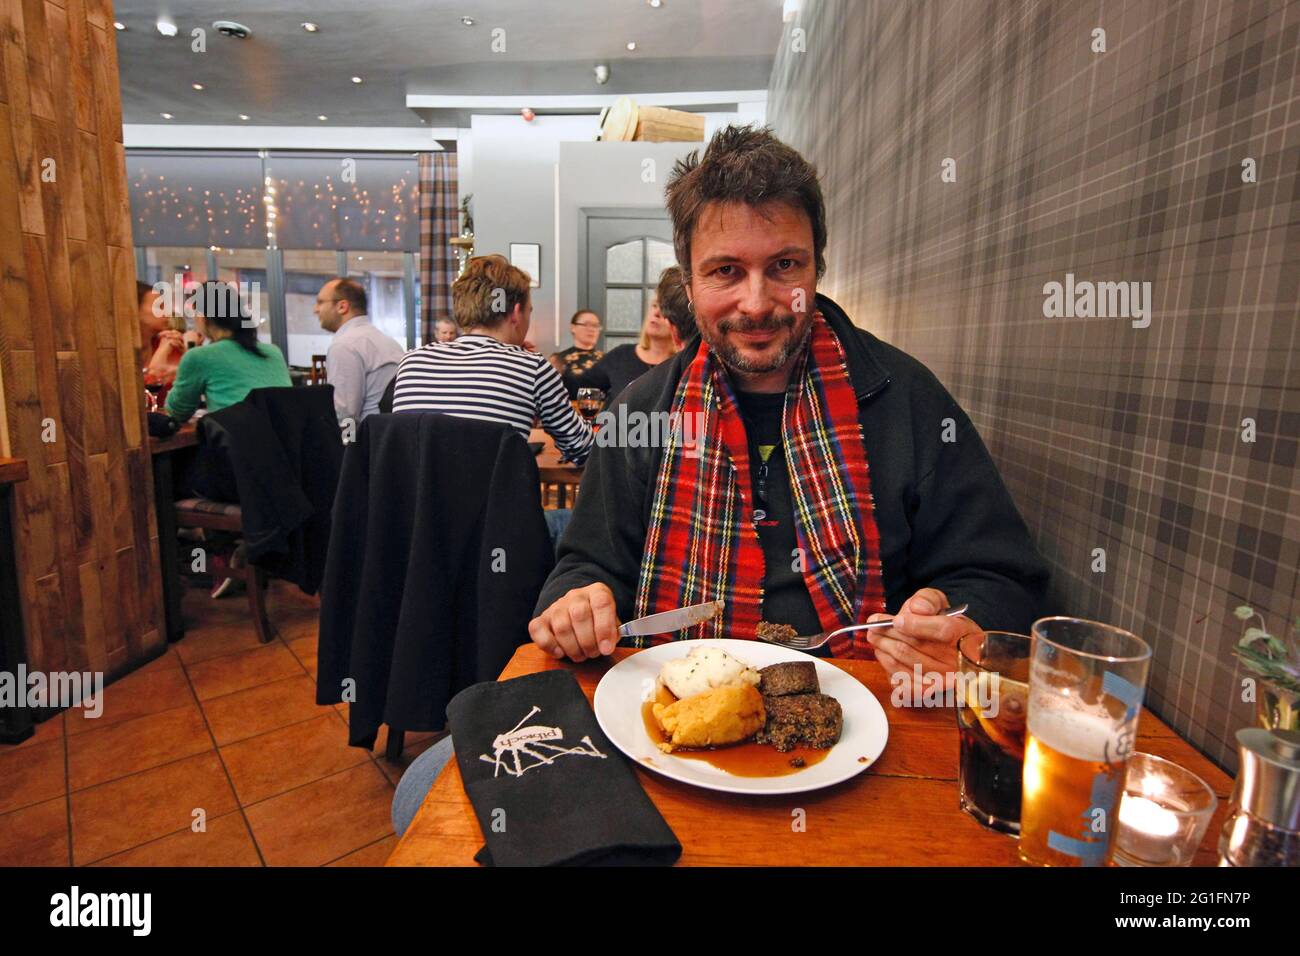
column 221, row 516
column 318, row 375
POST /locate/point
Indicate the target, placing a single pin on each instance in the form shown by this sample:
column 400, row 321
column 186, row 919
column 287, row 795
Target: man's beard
column 732, row 355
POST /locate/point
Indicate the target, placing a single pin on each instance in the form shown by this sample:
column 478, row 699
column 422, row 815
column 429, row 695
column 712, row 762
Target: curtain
column 439, row 222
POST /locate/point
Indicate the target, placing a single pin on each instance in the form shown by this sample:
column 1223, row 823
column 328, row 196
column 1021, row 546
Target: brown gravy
column 747, row 759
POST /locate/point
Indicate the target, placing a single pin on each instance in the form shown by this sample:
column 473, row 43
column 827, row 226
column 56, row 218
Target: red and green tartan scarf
column 701, row 544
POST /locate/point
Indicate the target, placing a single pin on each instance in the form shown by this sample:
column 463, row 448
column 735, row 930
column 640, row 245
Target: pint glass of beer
column 1086, row 682
column 992, row 692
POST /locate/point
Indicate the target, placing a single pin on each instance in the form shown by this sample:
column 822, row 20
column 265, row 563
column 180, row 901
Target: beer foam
column 1077, row 733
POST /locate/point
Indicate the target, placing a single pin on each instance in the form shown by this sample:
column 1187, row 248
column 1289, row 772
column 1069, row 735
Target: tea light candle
column 1163, row 814
column 1146, row 829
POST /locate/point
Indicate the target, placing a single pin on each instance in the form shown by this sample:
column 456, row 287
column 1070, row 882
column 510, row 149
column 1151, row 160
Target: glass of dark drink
column 992, row 697
column 590, row 402
column 153, row 387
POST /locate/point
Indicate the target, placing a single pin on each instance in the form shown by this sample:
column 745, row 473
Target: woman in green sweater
column 231, row 365
column 224, row 372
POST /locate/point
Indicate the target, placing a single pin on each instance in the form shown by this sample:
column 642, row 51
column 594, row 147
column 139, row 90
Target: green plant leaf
column 1244, row 612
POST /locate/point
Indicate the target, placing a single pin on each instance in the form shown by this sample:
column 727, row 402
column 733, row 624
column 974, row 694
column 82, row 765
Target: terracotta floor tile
column 125, row 813
column 136, row 695
column 42, row 733
column 376, row 854
column 217, row 640
column 324, row 820
column 254, row 711
column 114, row 751
column 36, row 835
column 303, row 648
column 32, row 774
column 226, row 842
column 225, row 675
column 166, row 660
column 274, row 762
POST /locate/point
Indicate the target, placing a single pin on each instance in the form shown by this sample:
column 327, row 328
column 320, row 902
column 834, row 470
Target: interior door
column 626, row 250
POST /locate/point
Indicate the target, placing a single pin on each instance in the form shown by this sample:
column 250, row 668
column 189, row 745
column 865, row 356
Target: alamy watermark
column 57, row 689
column 209, row 298
column 624, row 428
column 1085, row 299
column 938, row 689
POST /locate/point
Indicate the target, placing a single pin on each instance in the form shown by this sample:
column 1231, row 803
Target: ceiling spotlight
column 322, row 117
column 631, row 45
column 166, row 26
column 311, row 27
column 197, row 86
column 165, row 115
column 229, row 28
column 243, row 116
column 468, row 21
column 119, row 25
column 602, row 74
column 655, row 3
column 356, row 79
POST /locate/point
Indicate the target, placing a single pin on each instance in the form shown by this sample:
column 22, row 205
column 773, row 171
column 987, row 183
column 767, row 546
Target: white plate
column 631, row 682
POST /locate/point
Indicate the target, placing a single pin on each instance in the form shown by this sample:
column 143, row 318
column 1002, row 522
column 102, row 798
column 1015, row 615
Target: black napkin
column 547, row 786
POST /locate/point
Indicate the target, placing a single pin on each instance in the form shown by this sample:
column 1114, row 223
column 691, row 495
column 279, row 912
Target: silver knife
column 667, row 621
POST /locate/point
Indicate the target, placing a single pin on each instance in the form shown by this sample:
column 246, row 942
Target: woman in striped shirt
column 486, row 373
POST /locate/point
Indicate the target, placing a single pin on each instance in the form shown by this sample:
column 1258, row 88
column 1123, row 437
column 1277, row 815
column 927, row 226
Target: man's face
column 753, row 279
column 444, row 331
column 327, row 308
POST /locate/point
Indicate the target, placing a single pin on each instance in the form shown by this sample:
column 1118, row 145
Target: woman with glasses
column 582, row 354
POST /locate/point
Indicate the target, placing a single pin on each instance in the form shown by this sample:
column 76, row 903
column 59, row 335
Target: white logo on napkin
column 529, row 742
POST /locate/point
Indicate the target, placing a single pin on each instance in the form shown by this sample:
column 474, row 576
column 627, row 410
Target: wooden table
column 902, row 811
column 162, row 450
column 551, row 471
column 15, row 722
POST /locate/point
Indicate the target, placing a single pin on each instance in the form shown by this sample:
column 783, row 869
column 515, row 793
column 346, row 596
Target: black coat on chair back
column 439, row 550
column 283, row 448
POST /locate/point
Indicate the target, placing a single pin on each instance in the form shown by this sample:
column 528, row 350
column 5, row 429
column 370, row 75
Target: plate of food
column 741, row 716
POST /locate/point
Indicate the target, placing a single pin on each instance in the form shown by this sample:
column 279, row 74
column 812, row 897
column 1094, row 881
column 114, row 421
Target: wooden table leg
column 168, row 552
column 15, row 722
column 561, row 495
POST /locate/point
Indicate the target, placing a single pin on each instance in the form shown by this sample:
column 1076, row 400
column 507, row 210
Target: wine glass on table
column 590, row 401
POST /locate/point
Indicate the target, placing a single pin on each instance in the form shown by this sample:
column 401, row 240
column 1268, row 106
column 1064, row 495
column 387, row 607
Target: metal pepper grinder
column 1263, row 824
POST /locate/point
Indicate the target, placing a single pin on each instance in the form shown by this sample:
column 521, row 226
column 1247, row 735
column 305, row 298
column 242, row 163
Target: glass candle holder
column 1163, row 815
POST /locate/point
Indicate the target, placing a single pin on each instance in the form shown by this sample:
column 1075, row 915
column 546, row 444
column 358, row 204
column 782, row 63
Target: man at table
column 774, row 511
column 361, row 360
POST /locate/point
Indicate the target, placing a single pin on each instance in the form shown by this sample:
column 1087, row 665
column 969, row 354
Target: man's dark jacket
column 438, row 552
column 282, row 447
column 945, row 518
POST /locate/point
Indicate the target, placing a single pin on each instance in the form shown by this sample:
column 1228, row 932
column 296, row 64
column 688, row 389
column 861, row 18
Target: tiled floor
column 219, row 729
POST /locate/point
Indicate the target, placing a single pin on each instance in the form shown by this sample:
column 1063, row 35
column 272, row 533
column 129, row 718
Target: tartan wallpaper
column 973, row 152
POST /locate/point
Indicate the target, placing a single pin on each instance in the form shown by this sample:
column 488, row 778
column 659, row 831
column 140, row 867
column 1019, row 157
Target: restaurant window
column 631, row 274
column 382, row 274
column 305, row 271
column 247, row 269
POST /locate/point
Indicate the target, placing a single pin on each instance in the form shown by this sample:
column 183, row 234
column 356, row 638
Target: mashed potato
column 705, row 668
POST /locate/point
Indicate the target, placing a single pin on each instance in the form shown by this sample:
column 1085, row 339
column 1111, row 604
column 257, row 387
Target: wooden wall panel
column 87, row 536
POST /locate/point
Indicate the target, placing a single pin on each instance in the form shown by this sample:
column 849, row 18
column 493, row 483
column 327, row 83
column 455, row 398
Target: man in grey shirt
column 362, row 360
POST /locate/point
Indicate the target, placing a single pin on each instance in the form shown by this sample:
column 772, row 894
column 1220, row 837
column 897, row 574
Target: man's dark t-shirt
column 785, row 595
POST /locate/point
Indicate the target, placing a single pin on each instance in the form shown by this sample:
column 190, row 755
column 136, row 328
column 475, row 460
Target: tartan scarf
column 701, row 544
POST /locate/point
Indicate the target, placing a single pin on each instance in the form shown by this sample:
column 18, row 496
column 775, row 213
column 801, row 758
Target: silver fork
column 808, row 642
